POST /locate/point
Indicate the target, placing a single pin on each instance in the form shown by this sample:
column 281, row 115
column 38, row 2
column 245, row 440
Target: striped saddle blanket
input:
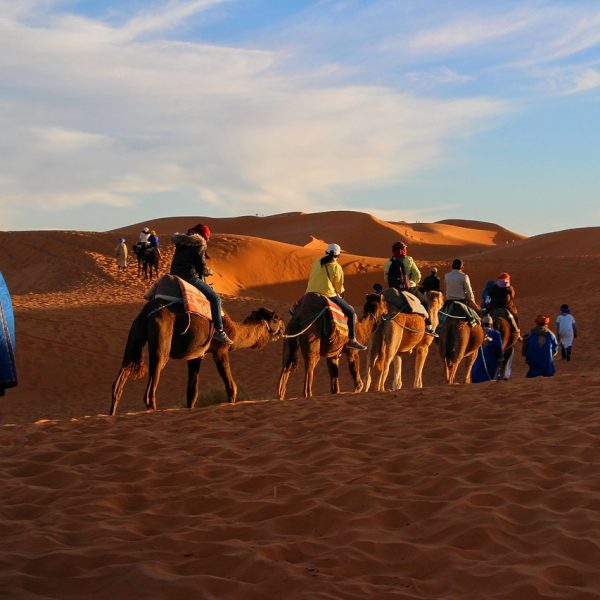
column 175, row 289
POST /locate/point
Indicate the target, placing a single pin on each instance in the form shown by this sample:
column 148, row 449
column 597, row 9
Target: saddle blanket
column 404, row 302
column 175, row 289
column 339, row 319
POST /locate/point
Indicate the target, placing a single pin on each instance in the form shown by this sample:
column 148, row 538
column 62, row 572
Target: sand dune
column 482, row 491
column 357, row 233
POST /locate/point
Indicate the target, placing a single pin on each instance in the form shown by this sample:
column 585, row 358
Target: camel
column 398, row 335
column 173, row 333
column 459, row 341
column 148, row 261
column 313, row 344
column 509, row 340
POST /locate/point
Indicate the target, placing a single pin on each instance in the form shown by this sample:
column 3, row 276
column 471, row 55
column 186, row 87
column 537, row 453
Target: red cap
column 202, row 230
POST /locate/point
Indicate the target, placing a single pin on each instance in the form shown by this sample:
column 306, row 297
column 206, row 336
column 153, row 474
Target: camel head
column 375, row 305
column 273, row 324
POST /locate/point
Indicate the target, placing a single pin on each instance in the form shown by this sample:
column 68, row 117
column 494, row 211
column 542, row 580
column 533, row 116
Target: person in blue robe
column 540, row 348
column 489, row 354
column 8, row 370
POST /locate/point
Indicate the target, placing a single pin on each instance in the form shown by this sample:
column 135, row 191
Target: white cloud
column 471, row 30
column 101, row 118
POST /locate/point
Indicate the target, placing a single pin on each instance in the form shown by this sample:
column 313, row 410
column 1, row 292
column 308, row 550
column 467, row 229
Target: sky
column 120, row 111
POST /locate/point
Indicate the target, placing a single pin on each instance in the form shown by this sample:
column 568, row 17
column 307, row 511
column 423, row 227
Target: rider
column 189, row 263
column 502, row 295
column 143, row 239
column 431, row 283
column 327, row 278
column 458, row 286
column 401, row 272
column 154, row 242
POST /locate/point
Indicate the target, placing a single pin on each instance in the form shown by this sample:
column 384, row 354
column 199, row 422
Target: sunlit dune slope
column 358, row 233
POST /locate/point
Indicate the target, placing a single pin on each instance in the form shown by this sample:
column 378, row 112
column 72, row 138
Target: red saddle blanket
column 175, row 289
column 311, row 304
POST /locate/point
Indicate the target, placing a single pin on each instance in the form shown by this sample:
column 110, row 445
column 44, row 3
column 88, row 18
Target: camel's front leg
column 193, row 381
column 221, row 358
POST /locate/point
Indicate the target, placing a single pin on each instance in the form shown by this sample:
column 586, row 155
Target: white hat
column 334, row 249
column 487, row 320
column 146, row 230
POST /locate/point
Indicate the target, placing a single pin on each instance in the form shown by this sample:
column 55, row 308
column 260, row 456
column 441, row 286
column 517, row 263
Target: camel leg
column 117, row 390
column 310, row 362
column 354, row 366
column 333, row 365
column 451, row 368
column 420, row 358
column 290, row 361
column 193, row 380
column 469, row 362
column 397, row 384
column 154, row 369
column 221, row 359
column 159, row 347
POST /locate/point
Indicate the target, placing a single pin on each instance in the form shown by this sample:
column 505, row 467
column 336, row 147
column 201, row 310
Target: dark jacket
column 189, row 259
column 502, row 298
column 431, row 283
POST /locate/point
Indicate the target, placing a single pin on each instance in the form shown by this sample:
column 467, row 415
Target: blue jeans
column 348, row 311
column 213, row 298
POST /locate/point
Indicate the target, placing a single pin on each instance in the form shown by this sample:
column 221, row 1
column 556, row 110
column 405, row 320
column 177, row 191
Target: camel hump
column 461, row 309
column 313, row 302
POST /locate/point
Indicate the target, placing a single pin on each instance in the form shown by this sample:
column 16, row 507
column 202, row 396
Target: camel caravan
column 183, row 319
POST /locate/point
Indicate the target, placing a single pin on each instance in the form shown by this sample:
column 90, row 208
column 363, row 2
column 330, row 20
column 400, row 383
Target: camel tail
column 451, row 340
column 133, row 358
column 290, row 353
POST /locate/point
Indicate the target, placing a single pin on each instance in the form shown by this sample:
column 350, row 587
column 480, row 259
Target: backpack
column 397, row 275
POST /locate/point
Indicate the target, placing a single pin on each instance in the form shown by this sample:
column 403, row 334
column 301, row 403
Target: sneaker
column 431, row 331
column 222, row 337
column 356, row 345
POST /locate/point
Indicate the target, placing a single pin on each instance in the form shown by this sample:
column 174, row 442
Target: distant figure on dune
column 401, row 273
column 566, row 330
column 189, row 263
column 540, row 347
column 327, row 278
column 121, row 254
column 8, row 369
column 490, row 354
column 431, row 283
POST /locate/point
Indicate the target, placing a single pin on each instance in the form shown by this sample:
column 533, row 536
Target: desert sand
column 448, row 492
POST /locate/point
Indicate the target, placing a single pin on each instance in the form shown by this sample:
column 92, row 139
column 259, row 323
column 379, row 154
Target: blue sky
column 119, row 112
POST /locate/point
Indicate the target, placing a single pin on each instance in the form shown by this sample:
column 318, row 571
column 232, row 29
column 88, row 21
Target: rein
column 401, row 325
column 287, row 336
column 451, row 316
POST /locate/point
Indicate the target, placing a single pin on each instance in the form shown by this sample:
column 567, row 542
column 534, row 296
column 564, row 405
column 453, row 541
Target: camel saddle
column 334, row 322
column 404, row 302
column 504, row 313
column 469, row 314
column 176, row 290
